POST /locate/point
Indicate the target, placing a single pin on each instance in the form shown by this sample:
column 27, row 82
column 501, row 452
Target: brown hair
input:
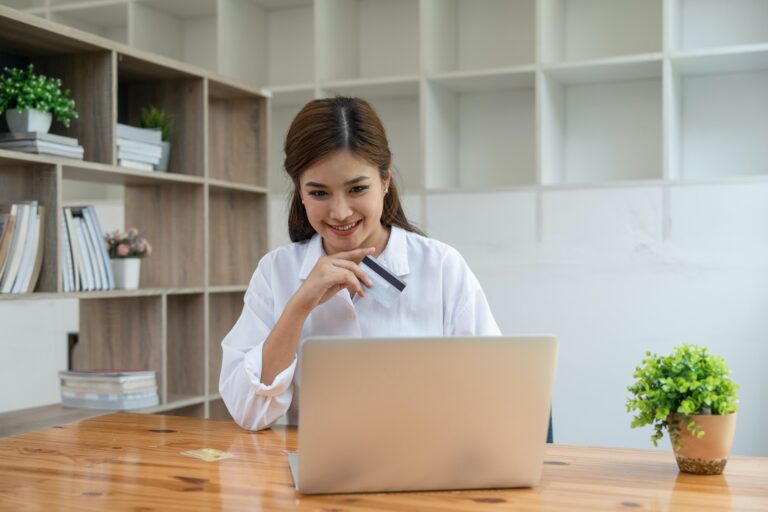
column 320, row 129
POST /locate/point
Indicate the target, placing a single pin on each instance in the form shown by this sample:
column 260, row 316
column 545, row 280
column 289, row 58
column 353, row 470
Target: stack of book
column 21, row 245
column 109, row 390
column 138, row 148
column 84, row 259
column 42, row 144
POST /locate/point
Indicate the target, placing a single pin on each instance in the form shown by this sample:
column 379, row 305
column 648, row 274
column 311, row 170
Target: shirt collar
column 394, row 256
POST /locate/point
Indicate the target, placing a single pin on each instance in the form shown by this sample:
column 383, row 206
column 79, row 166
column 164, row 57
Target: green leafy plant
column 670, row 389
column 24, row 89
column 152, row 117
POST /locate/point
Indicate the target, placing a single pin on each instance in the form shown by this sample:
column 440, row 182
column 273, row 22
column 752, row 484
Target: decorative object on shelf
column 30, row 101
column 126, row 248
column 138, row 148
column 158, row 119
column 690, row 394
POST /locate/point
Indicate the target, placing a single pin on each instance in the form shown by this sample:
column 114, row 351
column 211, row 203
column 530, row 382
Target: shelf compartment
column 465, row 35
column 719, row 116
column 285, row 106
column 121, row 333
column 572, row 30
column 480, row 131
column 236, row 245
column 173, row 220
column 699, row 24
column 276, row 39
column 181, row 30
column 37, row 182
column 225, row 309
column 186, row 345
column 604, row 130
column 237, row 132
column 87, row 76
column 180, row 96
column 114, row 175
column 109, row 20
column 355, row 39
column 190, row 411
column 397, row 104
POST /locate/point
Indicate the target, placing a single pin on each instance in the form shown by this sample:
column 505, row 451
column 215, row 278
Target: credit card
column 387, row 287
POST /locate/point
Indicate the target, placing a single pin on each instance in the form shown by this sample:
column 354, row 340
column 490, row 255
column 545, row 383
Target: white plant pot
column 163, row 165
column 126, row 272
column 28, row 120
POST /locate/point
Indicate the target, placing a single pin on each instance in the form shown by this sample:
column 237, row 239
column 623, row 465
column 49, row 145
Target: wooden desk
column 134, row 461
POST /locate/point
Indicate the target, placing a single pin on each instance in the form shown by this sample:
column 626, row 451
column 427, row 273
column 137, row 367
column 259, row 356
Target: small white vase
column 126, row 272
column 164, row 156
column 28, row 120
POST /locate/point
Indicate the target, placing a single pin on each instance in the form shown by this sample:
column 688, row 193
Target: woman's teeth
column 345, row 228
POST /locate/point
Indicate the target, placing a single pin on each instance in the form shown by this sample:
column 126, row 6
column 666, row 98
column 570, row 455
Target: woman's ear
column 386, row 181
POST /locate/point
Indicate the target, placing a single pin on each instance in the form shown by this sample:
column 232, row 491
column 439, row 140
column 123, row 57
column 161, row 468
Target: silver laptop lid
column 423, row 413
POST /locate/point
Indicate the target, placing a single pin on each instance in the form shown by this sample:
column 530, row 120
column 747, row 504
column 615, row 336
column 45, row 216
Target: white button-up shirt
column 442, row 297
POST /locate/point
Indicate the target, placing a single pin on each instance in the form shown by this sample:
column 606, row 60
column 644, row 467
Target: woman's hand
column 330, row 275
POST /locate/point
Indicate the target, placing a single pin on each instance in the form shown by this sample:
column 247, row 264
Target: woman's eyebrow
column 350, row 182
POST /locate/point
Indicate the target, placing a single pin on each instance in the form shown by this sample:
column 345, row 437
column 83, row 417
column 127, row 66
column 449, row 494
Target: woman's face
column 344, row 198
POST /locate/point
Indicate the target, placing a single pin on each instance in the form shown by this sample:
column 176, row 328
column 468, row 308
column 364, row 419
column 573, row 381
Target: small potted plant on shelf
column 126, row 248
column 690, row 394
column 30, row 101
column 155, row 118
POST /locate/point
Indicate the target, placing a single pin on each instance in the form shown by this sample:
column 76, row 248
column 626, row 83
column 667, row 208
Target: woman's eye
column 317, row 193
column 359, row 188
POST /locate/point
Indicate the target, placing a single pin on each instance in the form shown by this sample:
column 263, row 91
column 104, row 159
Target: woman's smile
column 344, row 229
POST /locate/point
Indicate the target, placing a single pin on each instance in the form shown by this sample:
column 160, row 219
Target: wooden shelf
column 206, row 217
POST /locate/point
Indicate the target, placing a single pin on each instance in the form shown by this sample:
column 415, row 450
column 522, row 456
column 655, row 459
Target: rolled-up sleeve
column 253, row 404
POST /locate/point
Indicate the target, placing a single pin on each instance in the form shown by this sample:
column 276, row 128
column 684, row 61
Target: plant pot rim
column 674, row 414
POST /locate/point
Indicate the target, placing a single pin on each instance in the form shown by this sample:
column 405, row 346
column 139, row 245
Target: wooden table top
column 133, row 461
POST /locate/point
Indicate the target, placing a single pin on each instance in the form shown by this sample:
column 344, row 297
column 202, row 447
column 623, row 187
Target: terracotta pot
column 708, row 455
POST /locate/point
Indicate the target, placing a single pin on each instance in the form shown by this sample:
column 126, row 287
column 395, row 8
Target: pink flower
column 123, row 250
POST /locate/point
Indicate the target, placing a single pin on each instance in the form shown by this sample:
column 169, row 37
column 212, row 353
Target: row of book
column 42, row 144
column 22, row 228
column 109, row 390
column 84, row 259
column 138, row 148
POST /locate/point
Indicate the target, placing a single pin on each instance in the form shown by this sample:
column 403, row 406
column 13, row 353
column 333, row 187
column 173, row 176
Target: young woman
column 344, row 206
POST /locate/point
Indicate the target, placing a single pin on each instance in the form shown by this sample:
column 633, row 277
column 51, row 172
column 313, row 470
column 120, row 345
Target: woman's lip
column 345, row 232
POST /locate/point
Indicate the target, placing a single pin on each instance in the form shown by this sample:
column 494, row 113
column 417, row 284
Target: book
column 88, row 395
column 107, row 375
column 45, row 148
column 149, row 135
column 109, row 387
column 8, row 213
column 17, row 248
column 137, row 157
column 132, row 164
column 37, row 266
column 29, row 253
column 85, row 255
column 77, row 266
column 67, row 273
column 39, row 136
column 92, row 220
column 111, row 405
column 139, row 147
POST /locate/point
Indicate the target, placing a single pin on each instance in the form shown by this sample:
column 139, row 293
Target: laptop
column 418, row 414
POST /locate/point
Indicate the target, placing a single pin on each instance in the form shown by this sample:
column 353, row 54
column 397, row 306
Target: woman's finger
column 352, row 267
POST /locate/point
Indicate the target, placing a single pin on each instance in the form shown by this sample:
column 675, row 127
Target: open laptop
column 407, row 414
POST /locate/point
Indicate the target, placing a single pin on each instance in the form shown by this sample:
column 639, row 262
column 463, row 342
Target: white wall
column 615, row 272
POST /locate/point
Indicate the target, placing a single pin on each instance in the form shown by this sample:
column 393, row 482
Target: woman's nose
column 340, row 209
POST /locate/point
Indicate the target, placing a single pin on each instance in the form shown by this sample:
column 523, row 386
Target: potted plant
column 691, row 395
column 30, row 101
column 126, row 248
column 155, row 118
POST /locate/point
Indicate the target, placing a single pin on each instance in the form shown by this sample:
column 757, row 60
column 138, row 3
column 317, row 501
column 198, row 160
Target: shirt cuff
column 253, row 366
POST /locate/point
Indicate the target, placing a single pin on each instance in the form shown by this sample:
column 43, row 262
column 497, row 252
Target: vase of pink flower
column 126, row 248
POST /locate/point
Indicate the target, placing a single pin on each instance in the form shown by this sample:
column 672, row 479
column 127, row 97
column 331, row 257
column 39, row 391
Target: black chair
column 549, row 431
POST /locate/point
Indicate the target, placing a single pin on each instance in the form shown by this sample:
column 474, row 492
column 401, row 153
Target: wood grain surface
column 134, row 462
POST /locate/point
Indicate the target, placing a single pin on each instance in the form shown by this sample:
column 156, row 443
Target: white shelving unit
column 488, row 94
